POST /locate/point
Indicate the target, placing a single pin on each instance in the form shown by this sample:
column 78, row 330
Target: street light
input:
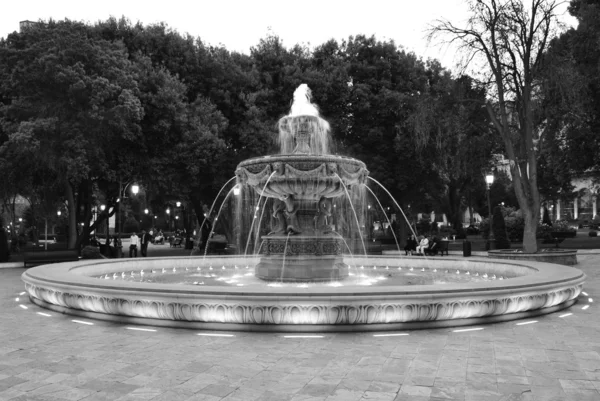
column 102, row 209
column 122, row 190
column 489, row 179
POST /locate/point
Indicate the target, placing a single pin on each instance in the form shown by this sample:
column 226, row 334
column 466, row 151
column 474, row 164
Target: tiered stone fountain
column 303, row 245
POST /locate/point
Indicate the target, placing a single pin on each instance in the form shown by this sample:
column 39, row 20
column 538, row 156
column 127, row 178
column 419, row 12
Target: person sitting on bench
column 423, row 244
column 411, row 245
column 434, row 246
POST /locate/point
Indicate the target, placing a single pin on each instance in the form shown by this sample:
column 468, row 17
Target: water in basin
column 240, row 276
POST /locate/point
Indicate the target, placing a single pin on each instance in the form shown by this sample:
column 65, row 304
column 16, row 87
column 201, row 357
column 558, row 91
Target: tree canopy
column 90, row 108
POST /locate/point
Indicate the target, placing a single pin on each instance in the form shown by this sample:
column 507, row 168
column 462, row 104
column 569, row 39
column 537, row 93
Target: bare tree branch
column 511, row 38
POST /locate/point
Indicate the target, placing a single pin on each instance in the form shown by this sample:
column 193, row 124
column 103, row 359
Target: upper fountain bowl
column 304, row 176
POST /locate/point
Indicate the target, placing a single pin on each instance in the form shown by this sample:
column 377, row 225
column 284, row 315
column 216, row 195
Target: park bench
column 441, row 248
column 176, row 242
column 44, row 257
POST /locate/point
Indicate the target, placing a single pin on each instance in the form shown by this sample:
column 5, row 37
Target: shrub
column 593, row 233
column 484, row 228
column 434, row 228
column 423, row 226
column 447, row 231
column 472, row 230
column 461, row 233
column 499, row 228
column 544, row 231
column 90, row 252
column 508, row 211
column 515, row 226
column 564, row 225
column 573, row 224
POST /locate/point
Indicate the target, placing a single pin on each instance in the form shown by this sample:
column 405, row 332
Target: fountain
column 306, row 276
column 302, row 184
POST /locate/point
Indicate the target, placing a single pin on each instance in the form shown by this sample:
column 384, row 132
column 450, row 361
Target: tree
column 454, row 131
column 67, row 100
column 572, row 102
column 511, row 40
column 382, row 86
column 201, row 116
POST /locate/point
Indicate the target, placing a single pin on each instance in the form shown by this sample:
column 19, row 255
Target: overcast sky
column 239, row 24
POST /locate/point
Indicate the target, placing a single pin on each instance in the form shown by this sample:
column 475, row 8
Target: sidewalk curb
column 11, row 265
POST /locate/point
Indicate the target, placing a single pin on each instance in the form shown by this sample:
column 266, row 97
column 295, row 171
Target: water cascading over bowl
column 303, row 245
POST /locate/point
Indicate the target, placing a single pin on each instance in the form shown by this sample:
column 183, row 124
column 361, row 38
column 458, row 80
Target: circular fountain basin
column 512, row 290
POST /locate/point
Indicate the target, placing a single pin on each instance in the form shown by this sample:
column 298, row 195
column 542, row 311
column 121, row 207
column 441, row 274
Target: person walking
column 146, row 238
column 133, row 244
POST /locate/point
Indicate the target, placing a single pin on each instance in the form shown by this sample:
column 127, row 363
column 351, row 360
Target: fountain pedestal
column 301, row 258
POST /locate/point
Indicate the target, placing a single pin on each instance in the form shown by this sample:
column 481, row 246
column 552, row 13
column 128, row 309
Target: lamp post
column 177, row 210
column 102, row 209
column 149, row 218
column 122, row 190
column 489, row 179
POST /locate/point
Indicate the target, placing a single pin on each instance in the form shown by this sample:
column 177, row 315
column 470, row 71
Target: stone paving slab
column 44, row 355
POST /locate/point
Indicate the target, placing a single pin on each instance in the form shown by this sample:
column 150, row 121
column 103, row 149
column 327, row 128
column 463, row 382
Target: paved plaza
column 48, row 356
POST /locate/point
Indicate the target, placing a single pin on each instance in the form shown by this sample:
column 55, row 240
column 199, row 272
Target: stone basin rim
column 519, row 251
column 64, row 274
column 61, row 288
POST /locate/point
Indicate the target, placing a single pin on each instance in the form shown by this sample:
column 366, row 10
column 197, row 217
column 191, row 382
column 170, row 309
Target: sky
column 239, row 25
